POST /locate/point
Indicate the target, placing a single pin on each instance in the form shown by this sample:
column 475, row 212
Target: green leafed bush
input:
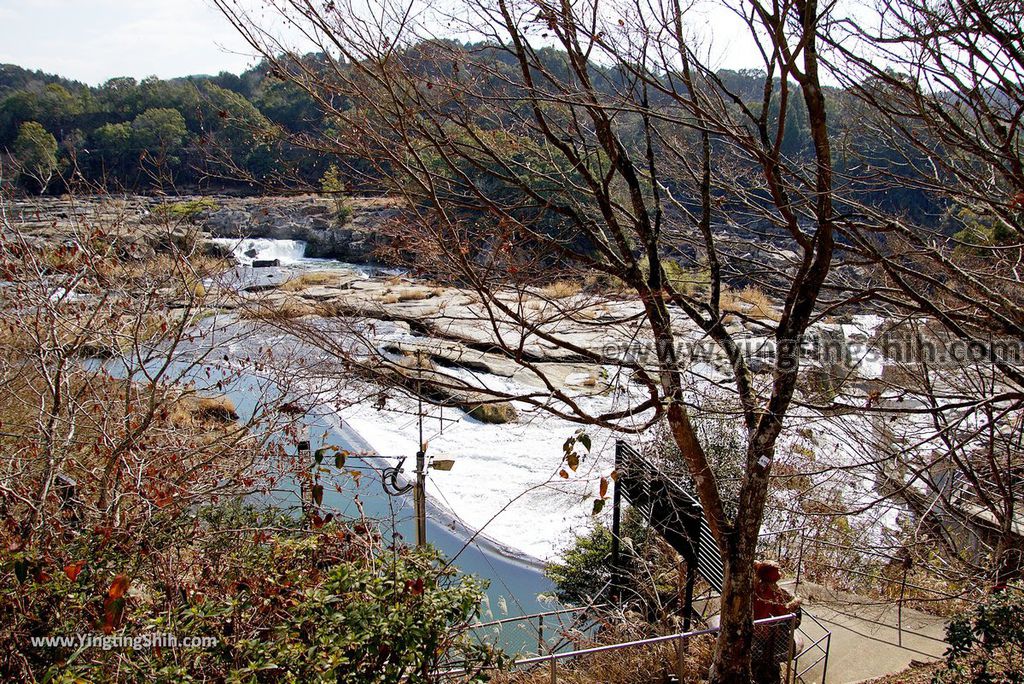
column 185, row 211
column 584, row 572
column 986, row 646
column 280, row 602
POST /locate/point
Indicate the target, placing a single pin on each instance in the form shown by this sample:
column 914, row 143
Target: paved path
column 866, row 635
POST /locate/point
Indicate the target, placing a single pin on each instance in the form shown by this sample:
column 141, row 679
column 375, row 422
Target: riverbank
column 509, row 479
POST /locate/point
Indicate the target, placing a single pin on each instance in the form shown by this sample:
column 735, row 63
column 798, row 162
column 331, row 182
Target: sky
column 94, row 40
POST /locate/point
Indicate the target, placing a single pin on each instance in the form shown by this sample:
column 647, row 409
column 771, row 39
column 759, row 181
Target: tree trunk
column 732, row 650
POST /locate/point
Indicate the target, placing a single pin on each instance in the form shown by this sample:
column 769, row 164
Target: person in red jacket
column 771, row 642
column 771, row 600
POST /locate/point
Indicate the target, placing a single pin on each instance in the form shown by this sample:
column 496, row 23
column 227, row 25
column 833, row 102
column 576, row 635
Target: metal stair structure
column 678, row 517
column 672, row 511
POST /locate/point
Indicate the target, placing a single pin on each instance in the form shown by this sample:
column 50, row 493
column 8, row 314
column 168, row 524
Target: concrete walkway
column 867, row 640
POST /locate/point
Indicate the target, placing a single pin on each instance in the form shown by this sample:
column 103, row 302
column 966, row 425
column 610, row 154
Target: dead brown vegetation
column 497, row 413
column 561, row 289
column 311, row 279
column 634, row 665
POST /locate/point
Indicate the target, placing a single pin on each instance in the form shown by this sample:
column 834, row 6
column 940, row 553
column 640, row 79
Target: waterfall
column 247, row 250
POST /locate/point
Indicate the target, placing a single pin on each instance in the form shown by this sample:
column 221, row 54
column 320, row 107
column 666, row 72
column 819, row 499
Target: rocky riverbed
column 345, row 230
column 507, row 477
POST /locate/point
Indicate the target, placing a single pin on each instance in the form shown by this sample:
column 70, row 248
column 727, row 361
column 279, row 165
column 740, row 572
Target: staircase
column 672, row 511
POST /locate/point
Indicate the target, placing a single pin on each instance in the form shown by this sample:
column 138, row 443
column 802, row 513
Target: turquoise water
column 516, row 586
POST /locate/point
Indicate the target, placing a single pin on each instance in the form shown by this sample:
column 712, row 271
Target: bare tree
column 590, row 139
column 115, row 375
column 938, row 87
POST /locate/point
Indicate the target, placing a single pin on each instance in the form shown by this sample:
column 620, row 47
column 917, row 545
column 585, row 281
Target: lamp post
column 419, row 494
column 302, row 449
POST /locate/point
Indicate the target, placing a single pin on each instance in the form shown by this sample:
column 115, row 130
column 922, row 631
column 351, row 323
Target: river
column 517, row 583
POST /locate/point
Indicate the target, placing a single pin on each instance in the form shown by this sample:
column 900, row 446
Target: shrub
column 977, row 233
column 185, row 211
column 343, row 213
column 602, row 282
column 312, row 279
column 414, row 294
column 284, row 603
column 284, row 310
column 751, row 301
column 333, row 184
column 585, row 569
column 987, row 645
column 687, row 281
column 584, row 572
column 638, row 665
column 330, row 309
column 561, row 289
column 191, row 411
column 220, row 409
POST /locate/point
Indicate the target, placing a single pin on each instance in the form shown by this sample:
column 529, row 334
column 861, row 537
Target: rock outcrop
column 148, row 224
column 125, row 222
column 312, row 219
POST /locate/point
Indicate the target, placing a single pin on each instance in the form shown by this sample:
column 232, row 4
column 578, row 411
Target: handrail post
column 791, row 651
column 691, row 578
column 554, row 669
column 800, row 560
column 899, row 607
column 616, row 586
column 828, row 648
column 540, row 635
column 680, row 654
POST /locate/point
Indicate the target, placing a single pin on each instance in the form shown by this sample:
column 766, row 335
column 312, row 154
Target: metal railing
column 804, row 552
column 799, row 664
column 542, row 646
column 633, row 465
column 780, row 536
column 817, row 649
column 681, row 640
column 674, row 512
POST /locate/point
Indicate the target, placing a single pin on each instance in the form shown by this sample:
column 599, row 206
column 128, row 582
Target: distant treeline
column 214, row 131
column 239, row 132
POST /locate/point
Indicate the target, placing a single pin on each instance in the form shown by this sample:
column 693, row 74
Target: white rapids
column 248, row 250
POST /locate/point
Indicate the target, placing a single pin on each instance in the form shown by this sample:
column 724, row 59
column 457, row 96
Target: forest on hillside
column 158, row 134
column 252, row 132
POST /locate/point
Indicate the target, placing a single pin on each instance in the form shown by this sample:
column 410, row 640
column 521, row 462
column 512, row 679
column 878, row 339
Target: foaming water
column 248, row 250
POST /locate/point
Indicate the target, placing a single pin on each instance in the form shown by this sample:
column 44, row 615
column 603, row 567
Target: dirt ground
column 917, row 673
